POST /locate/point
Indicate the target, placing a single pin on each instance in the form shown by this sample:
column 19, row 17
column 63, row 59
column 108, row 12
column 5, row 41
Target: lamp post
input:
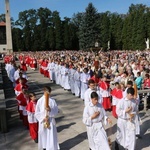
column 8, row 29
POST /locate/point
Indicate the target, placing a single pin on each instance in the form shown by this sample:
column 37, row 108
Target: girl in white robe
column 93, row 117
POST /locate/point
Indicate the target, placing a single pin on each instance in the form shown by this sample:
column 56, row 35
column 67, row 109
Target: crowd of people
column 105, row 81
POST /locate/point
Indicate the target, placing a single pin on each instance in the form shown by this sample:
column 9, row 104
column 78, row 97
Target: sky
column 67, row 8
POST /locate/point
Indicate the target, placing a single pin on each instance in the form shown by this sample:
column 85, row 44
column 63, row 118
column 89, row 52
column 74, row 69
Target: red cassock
column 104, row 87
column 96, row 64
column 97, row 80
column 33, row 64
column 23, row 65
column 45, row 64
column 22, row 101
column 30, row 63
column 41, row 67
column 20, row 57
column 33, row 124
column 6, row 59
column 27, row 60
column 118, row 94
column 24, row 80
column 19, row 87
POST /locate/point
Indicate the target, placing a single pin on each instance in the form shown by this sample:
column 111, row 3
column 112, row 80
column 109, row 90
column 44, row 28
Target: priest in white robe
column 47, row 137
column 93, row 117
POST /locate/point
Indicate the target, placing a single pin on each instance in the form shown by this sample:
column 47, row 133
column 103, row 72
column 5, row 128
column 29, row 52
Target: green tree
column 147, row 23
column 27, row 21
column 104, row 29
column 44, row 19
column 134, row 27
column 116, row 26
column 36, row 38
column 88, row 30
column 17, row 39
column 2, row 18
column 66, row 33
column 51, row 38
column 58, row 30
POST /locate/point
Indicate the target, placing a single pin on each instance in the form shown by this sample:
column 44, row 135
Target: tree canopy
column 43, row 29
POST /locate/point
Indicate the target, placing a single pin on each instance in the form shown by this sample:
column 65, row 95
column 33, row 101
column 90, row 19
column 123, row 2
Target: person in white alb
column 126, row 110
column 85, row 76
column 47, row 137
column 93, row 117
column 87, row 94
column 77, row 82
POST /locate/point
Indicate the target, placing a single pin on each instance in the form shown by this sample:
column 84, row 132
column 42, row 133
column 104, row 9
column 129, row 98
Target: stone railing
column 145, row 98
column 3, row 120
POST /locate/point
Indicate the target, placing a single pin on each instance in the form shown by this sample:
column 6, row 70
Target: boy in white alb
column 93, row 117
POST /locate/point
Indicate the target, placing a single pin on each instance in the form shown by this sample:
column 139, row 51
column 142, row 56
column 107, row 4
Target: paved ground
column 71, row 130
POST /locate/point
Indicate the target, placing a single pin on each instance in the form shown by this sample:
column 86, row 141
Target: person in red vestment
column 40, row 66
column 146, row 84
column 44, row 65
column 95, row 78
column 23, row 65
column 20, row 86
column 105, row 92
column 117, row 94
column 96, row 63
column 23, row 100
column 27, row 60
column 21, row 77
column 33, row 63
column 33, row 123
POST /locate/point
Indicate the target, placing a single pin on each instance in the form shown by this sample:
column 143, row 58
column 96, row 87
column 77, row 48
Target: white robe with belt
column 125, row 128
column 96, row 134
column 77, row 83
column 47, row 137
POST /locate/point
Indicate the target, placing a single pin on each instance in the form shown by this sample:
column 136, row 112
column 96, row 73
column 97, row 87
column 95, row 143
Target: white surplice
column 77, row 83
column 56, row 69
column 47, row 137
column 87, row 96
column 125, row 128
column 71, row 79
column 96, row 134
column 84, row 83
column 66, row 79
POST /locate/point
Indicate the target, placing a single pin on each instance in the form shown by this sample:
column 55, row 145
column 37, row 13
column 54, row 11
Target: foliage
column 43, row 29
